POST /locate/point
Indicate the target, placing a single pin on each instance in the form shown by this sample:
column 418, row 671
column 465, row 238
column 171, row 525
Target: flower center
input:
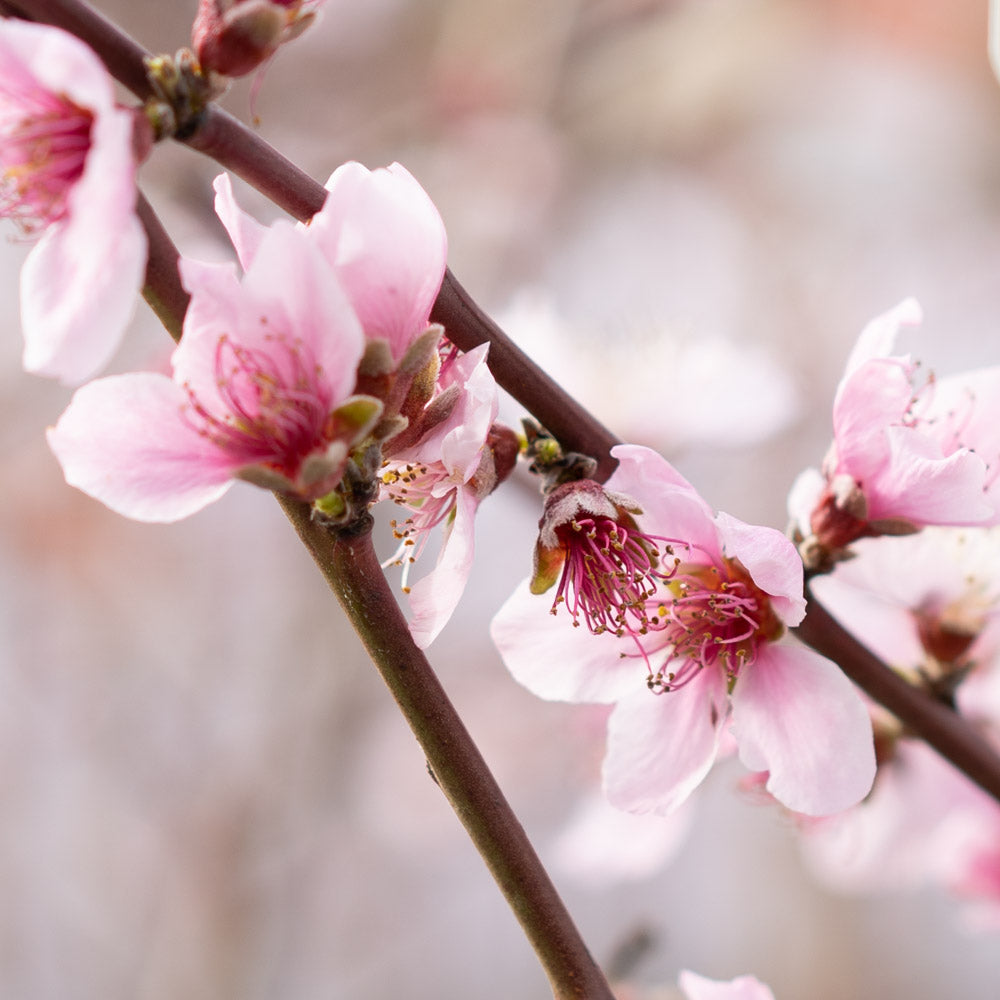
column 610, row 574
column 714, row 616
column 275, row 411
column 44, row 141
column 428, row 493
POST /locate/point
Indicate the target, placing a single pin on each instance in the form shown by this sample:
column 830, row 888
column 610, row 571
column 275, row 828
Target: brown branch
column 163, row 290
column 353, row 573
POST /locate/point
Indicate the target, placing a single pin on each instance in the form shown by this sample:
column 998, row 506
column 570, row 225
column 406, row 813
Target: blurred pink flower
column 384, row 239
column 929, row 605
column 441, row 480
column 67, row 167
column 697, row 987
column 695, row 641
column 261, row 390
column 904, row 454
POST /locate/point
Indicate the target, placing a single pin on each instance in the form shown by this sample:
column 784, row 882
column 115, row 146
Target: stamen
column 610, row 575
column 714, row 617
column 44, row 141
column 274, row 411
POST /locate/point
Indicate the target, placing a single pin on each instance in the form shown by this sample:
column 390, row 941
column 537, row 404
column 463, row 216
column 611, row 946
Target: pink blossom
column 908, row 450
column 697, row 987
column 931, row 595
column 929, row 605
column 974, row 870
column 67, row 167
column 440, row 481
column 697, row 643
column 385, row 240
column 905, row 834
column 261, row 390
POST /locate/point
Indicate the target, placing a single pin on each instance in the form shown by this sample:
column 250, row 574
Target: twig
column 353, row 573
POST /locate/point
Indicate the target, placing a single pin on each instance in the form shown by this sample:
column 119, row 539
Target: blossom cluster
column 313, row 369
column 316, row 373
column 679, row 619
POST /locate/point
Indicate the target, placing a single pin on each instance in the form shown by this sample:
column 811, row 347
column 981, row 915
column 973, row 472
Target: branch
column 163, row 290
column 354, row 574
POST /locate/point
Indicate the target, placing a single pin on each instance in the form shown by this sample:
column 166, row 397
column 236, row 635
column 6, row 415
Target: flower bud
column 234, row 37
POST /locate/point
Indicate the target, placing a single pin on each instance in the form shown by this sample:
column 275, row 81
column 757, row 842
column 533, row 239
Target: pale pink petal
column 58, row 61
column 80, row 283
column 660, row 747
column 290, row 289
column 878, row 338
column 771, row 559
column 902, row 835
column 558, row 662
column 887, row 628
column 435, row 597
column 457, row 442
column 216, row 308
column 671, row 506
column 803, row 497
column 244, row 230
column 471, row 420
column 741, row 988
column 875, row 398
column 78, row 294
column 918, row 483
column 601, row 845
column 122, row 441
column 797, row 716
column 387, row 242
column 963, row 414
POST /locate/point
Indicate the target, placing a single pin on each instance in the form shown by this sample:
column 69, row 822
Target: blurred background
column 687, row 210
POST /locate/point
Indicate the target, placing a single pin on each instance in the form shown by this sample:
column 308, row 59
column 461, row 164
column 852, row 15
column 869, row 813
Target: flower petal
column 771, row 559
column 660, row 747
column 123, row 441
column 797, row 715
column 919, row 483
column 387, row 242
column 741, row 988
column 245, row 232
column 878, row 338
column 558, row 662
column 435, row 597
column 80, row 282
column 671, row 506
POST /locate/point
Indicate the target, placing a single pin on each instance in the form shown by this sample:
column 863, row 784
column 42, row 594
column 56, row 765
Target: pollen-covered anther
column 713, row 618
column 608, row 570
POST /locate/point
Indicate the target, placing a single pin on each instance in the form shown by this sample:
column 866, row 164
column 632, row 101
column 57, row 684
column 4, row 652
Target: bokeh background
column 687, row 210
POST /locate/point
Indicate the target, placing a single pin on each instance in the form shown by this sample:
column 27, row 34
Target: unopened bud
column 234, row 37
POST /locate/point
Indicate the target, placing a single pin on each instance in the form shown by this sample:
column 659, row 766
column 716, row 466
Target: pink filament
column 274, row 414
column 44, row 141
